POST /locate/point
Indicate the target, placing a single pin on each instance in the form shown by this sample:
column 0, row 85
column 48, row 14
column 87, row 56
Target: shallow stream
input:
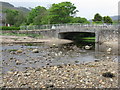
column 48, row 55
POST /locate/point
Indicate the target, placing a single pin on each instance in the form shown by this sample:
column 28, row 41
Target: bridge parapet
column 96, row 27
column 73, row 25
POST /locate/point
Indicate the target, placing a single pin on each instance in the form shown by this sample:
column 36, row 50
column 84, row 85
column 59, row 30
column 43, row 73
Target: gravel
column 87, row 75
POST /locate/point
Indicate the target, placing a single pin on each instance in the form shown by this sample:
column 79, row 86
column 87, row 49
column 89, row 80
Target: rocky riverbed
column 17, row 57
column 88, row 75
column 64, row 66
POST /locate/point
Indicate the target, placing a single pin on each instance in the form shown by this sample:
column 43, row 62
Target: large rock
column 108, row 75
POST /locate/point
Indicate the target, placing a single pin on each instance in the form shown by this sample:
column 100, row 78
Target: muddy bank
column 25, row 39
column 88, row 75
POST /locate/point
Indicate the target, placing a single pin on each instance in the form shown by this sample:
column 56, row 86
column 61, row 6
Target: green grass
column 16, row 34
column 10, row 50
column 90, row 38
column 9, row 28
column 12, row 34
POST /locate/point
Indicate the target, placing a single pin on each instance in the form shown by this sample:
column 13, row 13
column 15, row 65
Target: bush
column 9, row 28
column 97, row 22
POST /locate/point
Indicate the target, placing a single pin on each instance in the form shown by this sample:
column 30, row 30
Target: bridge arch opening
column 77, row 36
column 80, row 39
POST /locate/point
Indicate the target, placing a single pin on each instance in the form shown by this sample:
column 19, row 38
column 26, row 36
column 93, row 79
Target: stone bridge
column 103, row 33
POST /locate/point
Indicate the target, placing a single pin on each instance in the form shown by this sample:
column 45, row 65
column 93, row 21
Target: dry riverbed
column 88, row 75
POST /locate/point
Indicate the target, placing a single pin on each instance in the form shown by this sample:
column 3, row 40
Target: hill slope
column 115, row 17
column 6, row 5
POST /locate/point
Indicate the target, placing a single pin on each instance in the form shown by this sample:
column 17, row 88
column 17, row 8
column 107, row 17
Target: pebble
column 27, row 74
column 15, row 73
column 35, row 51
column 9, row 72
column 10, row 44
column 87, row 47
column 111, row 80
column 109, row 49
column 12, row 52
column 36, row 83
column 19, row 51
column 97, row 60
column 18, row 62
column 108, row 57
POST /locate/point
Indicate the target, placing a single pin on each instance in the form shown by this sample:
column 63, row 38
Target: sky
column 86, row 8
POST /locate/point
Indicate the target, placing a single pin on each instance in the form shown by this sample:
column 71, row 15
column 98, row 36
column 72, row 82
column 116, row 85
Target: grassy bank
column 22, row 34
column 9, row 28
column 88, row 39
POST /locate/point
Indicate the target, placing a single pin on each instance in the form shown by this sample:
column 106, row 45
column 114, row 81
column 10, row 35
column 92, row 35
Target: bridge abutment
column 97, row 36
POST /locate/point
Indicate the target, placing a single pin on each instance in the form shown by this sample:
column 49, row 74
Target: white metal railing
column 60, row 26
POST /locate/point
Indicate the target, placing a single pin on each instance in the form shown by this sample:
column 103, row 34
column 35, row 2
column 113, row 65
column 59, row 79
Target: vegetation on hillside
column 6, row 5
column 64, row 12
column 98, row 19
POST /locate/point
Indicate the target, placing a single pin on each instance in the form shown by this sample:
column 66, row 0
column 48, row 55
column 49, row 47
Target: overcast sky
column 87, row 8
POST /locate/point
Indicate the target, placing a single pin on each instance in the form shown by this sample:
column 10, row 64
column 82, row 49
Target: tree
column 42, row 18
column 97, row 18
column 79, row 20
column 61, row 12
column 14, row 17
column 20, row 19
column 10, row 16
column 107, row 20
column 36, row 15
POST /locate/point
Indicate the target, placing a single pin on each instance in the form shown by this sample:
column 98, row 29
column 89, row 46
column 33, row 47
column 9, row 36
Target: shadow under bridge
column 75, row 36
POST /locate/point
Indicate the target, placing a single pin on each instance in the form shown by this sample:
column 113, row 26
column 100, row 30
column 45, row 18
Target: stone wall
column 108, row 36
column 45, row 33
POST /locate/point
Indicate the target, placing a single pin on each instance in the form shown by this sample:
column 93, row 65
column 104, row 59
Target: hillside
column 114, row 17
column 6, row 5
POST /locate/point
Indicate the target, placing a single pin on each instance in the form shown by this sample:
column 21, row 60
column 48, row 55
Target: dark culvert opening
column 83, row 38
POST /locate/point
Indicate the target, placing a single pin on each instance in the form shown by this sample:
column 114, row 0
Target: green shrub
column 9, row 28
column 97, row 22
